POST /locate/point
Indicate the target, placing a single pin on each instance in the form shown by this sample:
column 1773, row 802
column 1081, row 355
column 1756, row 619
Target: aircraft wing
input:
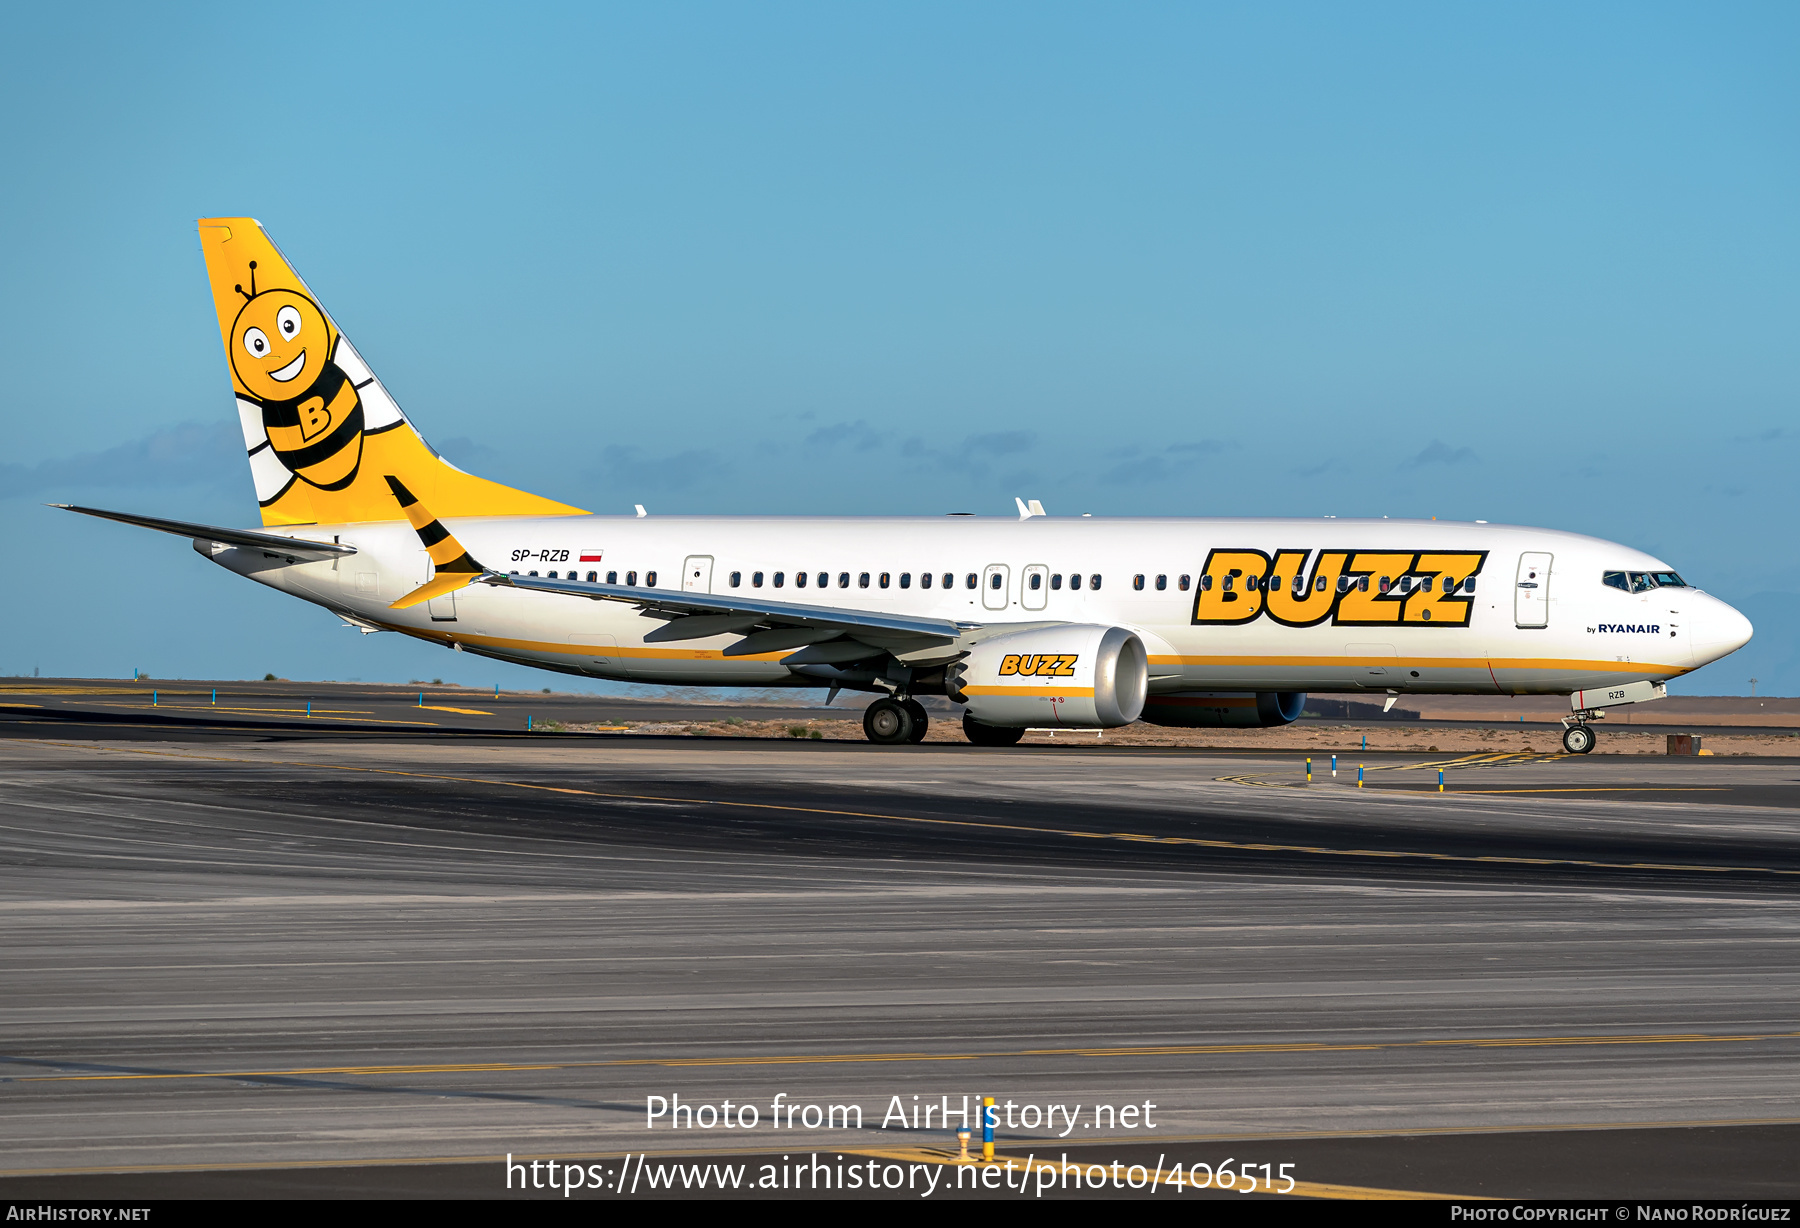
column 768, row 626
column 274, row 543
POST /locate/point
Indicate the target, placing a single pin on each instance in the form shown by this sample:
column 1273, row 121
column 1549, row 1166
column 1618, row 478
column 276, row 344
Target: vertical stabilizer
column 322, row 433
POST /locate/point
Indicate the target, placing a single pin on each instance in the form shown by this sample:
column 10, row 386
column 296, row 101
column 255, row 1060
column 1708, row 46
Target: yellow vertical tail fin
column 322, row 433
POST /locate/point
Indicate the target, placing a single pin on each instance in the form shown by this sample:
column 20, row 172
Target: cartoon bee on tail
column 282, row 349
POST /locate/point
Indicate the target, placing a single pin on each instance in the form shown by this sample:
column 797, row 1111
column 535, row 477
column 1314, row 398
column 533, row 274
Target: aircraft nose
column 1717, row 629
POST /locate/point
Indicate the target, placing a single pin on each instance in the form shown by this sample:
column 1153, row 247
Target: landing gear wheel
column 1578, row 739
column 887, row 722
column 921, row 721
column 989, row 735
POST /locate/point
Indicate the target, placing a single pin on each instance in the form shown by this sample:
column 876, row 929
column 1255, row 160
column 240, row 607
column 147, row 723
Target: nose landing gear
column 1578, row 739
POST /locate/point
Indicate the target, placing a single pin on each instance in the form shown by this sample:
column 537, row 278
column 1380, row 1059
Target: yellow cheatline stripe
column 1640, row 668
column 835, row 1059
column 972, row 824
column 1039, row 692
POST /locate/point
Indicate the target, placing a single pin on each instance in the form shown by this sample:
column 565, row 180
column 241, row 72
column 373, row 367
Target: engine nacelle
column 1080, row 675
column 1219, row 709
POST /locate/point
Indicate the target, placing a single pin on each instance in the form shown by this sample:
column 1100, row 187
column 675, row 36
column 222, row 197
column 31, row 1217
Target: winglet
column 455, row 566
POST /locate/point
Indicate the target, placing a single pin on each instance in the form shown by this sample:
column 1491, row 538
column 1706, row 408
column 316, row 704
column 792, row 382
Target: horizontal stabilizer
column 274, row 543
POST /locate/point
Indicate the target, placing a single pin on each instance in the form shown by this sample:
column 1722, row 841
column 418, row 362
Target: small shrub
column 437, row 682
column 797, row 731
column 816, row 736
column 546, row 690
column 268, row 677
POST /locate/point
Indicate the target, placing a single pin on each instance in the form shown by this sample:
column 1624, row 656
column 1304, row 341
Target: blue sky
column 1533, row 263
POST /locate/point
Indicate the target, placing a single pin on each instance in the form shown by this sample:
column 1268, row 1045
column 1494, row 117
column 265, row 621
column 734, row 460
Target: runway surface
column 246, row 954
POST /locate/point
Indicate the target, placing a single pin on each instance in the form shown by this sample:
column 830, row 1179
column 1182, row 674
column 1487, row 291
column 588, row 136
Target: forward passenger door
column 1531, row 596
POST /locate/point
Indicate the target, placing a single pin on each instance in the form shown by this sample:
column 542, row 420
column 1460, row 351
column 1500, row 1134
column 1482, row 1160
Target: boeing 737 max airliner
column 1035, row 621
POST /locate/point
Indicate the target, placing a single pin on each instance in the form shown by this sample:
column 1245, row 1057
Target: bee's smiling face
column 279, row 343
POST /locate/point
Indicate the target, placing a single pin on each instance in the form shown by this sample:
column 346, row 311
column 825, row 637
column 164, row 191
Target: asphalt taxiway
column 269, row 956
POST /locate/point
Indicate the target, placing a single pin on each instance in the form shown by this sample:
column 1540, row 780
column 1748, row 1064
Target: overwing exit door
column 1531, row 596
column 994, row 586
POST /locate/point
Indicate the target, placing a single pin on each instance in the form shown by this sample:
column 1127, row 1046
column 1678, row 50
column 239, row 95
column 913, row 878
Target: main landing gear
column 895, row 721
column 1578, row 739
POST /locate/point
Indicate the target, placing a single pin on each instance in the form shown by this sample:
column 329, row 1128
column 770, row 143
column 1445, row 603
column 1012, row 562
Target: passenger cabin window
column 906, row 579
column 862, row 581
column 650, row 578
column 824, row 579
column 949, row 580
column 1137, row 582
column 1162, row 582
column 1037, row 582
column 843, row 579
column 552, row 575
column 756, row 579
column 799, row 579
column 969, row 581
column 1469, row 585
column 780, row 578
column 1074, row 580
column 1182, row 584
column 1206, row 583
column 925, row 579
column 737, row 578
column 531, row 573
column 995, row 580
column 885, row 579
column 1094, row 583
column 593, row 577
column 631, row 577
column 1056, row 580
column 612, row 577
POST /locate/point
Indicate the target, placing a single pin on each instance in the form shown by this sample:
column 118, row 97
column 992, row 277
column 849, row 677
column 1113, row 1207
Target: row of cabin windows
column 612, row 577
column 926, row 579
column 1633, row 582
column 863, row 579
column 1345, row 584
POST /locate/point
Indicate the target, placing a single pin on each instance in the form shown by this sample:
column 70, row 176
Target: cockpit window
column 1642, row 581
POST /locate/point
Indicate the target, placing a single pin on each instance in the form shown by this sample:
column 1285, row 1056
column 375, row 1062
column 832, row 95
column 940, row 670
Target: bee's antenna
column 240, row 288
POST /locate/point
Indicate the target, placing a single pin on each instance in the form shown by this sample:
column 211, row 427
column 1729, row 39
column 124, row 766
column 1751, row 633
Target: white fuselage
column 1591, row 636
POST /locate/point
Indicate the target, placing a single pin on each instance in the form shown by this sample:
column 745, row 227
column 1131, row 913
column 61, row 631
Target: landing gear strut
column 920, row 721
column 1578, row 739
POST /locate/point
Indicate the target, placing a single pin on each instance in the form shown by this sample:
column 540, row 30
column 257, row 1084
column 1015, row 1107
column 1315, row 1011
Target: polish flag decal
column 590, row 556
